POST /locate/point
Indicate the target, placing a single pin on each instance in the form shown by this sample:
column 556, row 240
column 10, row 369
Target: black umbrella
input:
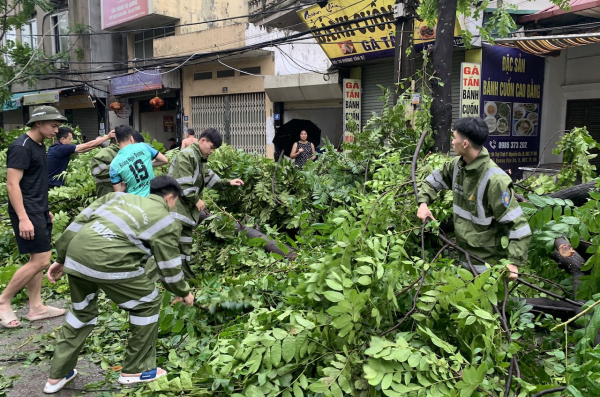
column 289, row 133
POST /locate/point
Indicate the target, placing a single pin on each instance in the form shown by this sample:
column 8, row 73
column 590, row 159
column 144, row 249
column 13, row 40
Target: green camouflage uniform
column 104, row 249
column 189, row 169
column 485, row 209
column 101, row 167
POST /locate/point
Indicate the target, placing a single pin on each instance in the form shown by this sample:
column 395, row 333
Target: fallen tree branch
column 568, row 259
column 271, row 246
column 578, row 194
column 549, row 391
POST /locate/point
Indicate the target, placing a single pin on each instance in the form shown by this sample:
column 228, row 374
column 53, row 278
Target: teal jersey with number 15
column 133, row 166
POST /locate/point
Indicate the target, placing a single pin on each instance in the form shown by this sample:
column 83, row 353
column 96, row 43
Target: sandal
column 50, row 389
column 7, row 317
column 146, row 376
column 51, row 312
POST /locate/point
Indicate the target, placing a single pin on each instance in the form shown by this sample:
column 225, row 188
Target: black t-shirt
column 59, row 156
column 28, row 155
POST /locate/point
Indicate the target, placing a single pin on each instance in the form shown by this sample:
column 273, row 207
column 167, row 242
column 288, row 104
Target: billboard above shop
column 361, row 39
column 136, row 82
column 116, row 12
column 356, row 41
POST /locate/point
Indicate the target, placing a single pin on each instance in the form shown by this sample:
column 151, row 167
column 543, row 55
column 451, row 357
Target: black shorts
column 42, row 233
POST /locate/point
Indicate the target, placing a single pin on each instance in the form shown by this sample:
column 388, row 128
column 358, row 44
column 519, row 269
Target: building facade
column 78, row 88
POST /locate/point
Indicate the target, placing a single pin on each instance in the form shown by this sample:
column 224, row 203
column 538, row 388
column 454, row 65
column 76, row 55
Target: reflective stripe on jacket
column 110, row 241
column 485, row 209
column 190, row 170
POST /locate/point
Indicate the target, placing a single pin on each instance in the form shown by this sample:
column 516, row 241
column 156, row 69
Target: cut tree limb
column 271, row 246
column 568, row 259
column 577, row 194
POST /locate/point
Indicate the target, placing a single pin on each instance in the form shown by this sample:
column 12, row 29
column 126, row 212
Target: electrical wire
column 20, row 72
column 270, row 43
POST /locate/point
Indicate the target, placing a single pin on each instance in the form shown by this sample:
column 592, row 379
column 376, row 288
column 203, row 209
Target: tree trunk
column 558, row 309
column 577, row 194
column 441, row 108
column 253, row 233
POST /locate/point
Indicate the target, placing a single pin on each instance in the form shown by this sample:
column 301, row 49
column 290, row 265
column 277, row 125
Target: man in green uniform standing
column 189, row 169
column 101, row 165
column 131, row 170
column 484, row 205
column 124, row 230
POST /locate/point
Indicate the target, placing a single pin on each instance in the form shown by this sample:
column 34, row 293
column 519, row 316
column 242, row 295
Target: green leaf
column 276, row 354
column 364, row 280
column 178, row 326
column 504, row 242
column 483, row 314
column 303, row 322
column 288, row 349
column 336, row 391
column 365, row 270
column 333, row 296
column 573, row 391
column 334, row 285
column 297, row 390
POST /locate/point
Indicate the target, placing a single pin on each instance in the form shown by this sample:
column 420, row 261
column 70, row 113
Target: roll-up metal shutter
column 372, row 76
column 87, row 120
column 458, row 57
column 383, row 74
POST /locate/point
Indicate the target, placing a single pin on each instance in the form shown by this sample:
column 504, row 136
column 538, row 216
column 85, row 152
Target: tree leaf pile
column 329, row 322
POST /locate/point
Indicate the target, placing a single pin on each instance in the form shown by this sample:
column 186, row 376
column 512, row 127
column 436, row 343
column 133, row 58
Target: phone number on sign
column 512, row 145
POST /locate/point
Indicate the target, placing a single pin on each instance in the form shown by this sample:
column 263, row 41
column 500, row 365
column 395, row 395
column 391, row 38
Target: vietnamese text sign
column 355, row 41
column 351, row 106
column 116, row 12
column 136, row 82
column 511, row 100
column 470, row 83
column 41, row 98
column 75, row 102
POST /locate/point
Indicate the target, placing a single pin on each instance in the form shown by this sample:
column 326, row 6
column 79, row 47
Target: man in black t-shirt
column 60, row 153
column 27, row 185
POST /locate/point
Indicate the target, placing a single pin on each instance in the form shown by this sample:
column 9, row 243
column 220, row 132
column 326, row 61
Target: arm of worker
column 13, row 179
column 116, row 180
column 86, row 147
column 18, row 159
column 293, row 153
column 63, row 242
column 165, row 248
column 158, row 159
column 506, row 210
column 213, row 181
column 312, row 145
column 437, row 181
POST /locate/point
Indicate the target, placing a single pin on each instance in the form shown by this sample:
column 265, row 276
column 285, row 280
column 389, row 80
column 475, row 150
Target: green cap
column 45, row 113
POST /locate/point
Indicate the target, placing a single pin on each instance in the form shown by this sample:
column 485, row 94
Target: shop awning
column 14, row 103
column 546, row 45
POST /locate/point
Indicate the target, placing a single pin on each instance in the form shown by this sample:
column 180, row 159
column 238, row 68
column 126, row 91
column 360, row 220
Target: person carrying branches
column 190, row 170
column 484, row 205
column 125, row 230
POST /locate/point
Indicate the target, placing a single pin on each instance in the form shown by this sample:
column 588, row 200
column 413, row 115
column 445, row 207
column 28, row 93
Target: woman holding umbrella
column 302, row 150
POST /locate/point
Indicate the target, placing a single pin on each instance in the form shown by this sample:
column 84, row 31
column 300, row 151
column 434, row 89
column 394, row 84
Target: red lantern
column 116, row 106
column 156, row 103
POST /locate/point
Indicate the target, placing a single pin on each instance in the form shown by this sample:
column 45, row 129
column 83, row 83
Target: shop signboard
column 41, row 98
column 355, row 41
column 470, row 83
column 511, row 105
column 75, row 102
column 116, row 12
column 136, row 82
column 352, row 103
column 360, row 39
